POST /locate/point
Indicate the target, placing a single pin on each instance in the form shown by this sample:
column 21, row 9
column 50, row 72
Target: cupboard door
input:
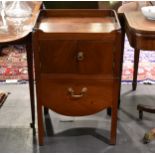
column 58, row 56
column 95, row 57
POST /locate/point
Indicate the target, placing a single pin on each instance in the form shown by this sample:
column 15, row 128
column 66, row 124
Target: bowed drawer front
column 76, row 96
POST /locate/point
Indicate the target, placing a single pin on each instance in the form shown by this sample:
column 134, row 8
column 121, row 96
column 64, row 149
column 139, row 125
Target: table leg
column 114, row 113
column 136, row 61
column 29, row 52
column 146, row 108
column 0, row 49
column 46, row 111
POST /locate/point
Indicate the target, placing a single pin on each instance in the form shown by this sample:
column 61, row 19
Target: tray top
column 81, row 22
column 10, row 33
column 138, row 22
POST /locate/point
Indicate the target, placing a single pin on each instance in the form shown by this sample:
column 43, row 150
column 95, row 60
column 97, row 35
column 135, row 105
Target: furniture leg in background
column 146, row 108
column 30, row 63
column 25, row 38
column 136, row 62
column 141, row 36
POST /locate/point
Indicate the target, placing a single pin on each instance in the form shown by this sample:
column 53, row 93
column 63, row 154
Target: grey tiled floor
column 79, row 134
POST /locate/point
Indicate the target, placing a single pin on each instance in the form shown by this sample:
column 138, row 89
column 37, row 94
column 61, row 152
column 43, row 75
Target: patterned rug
column 13, row 65
column 146, row 69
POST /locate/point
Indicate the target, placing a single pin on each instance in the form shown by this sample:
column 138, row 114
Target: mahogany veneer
column 141, row 35
column 24, row 37
column 78, row 59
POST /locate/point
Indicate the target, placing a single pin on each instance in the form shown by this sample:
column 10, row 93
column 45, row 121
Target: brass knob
column 80, row 56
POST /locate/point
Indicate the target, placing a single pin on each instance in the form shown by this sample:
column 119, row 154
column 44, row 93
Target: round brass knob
column 80, row 56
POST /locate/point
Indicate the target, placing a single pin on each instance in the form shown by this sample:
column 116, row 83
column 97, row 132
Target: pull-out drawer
column 84, row 57
column 76, row 97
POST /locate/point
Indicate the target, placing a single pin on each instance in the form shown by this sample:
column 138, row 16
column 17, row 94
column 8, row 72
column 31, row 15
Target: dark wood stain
column 69, row 58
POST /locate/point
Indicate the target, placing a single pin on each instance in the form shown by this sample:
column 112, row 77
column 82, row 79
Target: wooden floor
column 79, row 134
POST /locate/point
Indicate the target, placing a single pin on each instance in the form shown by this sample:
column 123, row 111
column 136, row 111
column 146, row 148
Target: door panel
column 97, row 57
column 58, row 56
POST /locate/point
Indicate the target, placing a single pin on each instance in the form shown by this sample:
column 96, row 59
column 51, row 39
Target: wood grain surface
column 139, row 22
column 77, row 49
column 11, row 34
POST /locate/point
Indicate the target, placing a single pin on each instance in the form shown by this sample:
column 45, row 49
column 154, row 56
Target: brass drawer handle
column 80, row 56
column 73, row 95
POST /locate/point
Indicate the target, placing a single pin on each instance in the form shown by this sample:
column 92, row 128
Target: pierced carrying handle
column 73, row 95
